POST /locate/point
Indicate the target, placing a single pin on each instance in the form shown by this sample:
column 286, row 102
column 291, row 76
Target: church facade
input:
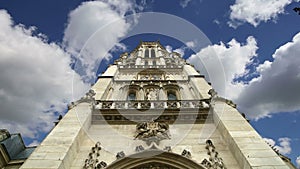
column 153, row 110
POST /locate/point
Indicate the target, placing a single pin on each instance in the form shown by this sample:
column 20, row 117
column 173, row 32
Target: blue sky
column 257, row 42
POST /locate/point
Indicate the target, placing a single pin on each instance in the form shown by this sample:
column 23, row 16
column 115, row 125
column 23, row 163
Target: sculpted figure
column 155, row 131
column 152, row 94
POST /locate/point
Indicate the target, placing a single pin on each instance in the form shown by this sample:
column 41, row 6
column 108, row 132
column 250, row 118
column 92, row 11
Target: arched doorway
column 152, row 159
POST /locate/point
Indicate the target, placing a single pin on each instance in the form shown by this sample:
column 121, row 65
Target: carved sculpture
column 152, row 131
column 214, row 162
column 88, row 98
column 120, row 155
column 139, row 148
column 4, row 134
column 58, row 120
column 230, row 103
column 168, row 149
column 93, row 162
column 186, row 153
column 152, row 94
column 213, row 93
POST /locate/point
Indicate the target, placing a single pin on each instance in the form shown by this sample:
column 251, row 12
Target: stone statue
column 4, row 134
column 152, row 94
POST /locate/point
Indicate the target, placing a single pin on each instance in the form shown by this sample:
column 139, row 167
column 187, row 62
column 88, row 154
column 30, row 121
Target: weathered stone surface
column 244, row 142
column 163, row 81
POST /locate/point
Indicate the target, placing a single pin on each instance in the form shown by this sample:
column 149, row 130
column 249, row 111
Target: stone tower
column 152, row 110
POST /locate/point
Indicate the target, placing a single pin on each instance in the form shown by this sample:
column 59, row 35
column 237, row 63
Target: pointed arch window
column 162, row 159
column 171, row 95
column 152, row 53
column 131, row 95
column 147, row 53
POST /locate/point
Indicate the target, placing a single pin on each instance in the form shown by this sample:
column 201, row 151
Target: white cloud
column 178, row 50
column 274, row 90
column 298, row 162
column 216, row 21
column 93, row 29
column 284, row 146
column 234, row 57
column 36, row 79
column 271, row 142
column 256, row 11
column 169, row 48
column 190, row 44
column 262, row 67
column 184, row 3
column 182, row 49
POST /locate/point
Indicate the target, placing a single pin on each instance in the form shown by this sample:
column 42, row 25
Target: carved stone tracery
column 214, row 161
column 152, row 131
column 93, row 161
column 154, row 166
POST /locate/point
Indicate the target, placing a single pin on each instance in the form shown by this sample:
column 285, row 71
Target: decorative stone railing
column 153, row 104
column 150, row 66
column 130, row 112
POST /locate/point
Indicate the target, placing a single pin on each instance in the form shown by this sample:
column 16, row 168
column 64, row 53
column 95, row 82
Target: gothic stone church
column 152, row 110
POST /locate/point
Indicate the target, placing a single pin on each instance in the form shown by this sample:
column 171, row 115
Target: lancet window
column 131, row 95
column 171, row 95
column 147, row 53
column 152, row 53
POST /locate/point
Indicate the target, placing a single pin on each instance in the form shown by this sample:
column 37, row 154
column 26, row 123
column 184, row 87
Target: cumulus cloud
column 191, row 44
column 36, row 79
column 93, row 29
column 181, row 50
column 274, row 90
column 284, row 146
column 256, row 11
column 234, row 56
column 178, row 50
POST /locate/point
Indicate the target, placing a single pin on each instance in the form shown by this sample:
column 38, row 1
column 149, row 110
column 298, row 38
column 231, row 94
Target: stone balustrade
column 151, row 66
column 129, row 112
column 152, row 104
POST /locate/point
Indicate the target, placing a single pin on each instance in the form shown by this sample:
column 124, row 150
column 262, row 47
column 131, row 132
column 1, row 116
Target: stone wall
column 117, row 138
column 247, row 146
